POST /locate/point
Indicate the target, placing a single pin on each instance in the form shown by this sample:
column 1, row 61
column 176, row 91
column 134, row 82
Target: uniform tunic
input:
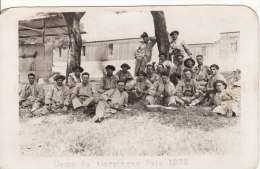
column 73, row 81
column 31, row 94
column 179, row 47
column 201, row 75
column 124, row 76
column 108, row 83
column 85, row 94
column 153, row 77
column 214, row 78
column 158, row 89
column 117, row 99
column 58, row 95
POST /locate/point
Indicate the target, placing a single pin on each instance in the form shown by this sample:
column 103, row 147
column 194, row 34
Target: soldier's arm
column 186, row 48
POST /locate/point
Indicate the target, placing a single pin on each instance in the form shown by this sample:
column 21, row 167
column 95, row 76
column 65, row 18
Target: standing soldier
column 143, row 53
column 178, row 46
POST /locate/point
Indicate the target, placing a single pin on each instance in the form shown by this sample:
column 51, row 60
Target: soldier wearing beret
column 143, row 53
column 124, row 74
column 109, row 80
column 138, row 88
column 58, row 99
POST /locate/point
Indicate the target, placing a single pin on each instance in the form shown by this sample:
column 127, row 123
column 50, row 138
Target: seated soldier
column 150, row 74
column 189, row 64
column 109, row 80
column 177, row 73
column 215, row 75
column 74, row 78
column 111, row 101
column 187, row 90
column 168, row 66
column 31, row 96
column 124, row 74
column 162, row 92
column 201, row 73
column 84, row 95
column 137, row 89
column 58, row 99
column 160, row 69
column 222, row 102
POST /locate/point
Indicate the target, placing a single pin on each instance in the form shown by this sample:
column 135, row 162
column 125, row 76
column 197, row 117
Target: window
column 233, row 43
column 110, row 48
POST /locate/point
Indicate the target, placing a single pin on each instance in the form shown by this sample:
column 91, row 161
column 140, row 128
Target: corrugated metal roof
column 55, row 26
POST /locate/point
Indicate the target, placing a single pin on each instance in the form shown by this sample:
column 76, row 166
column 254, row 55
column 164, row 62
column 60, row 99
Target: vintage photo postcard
column 129, row 87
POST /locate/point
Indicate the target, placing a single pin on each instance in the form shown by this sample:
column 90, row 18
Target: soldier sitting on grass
column 84, row 95
column 111, row 101
column 31, row 97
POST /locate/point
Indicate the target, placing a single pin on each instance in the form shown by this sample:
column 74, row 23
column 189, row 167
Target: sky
column 196, row 24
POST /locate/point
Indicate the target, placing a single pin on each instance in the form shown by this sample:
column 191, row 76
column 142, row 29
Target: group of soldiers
column 173, row 82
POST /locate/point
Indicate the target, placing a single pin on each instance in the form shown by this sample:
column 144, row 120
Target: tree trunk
column 75, row 43
column 161, row 32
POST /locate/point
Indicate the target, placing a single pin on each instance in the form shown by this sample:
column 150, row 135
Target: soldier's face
column 85, row 79
column 109, row 72
column 164, row 79
column 180, row 59
column 77, row 73
column 31, row 79
column 174, row 36
column 214, row 70
column 160, row 69
column 125, row 69
column 200, row 60
column 187, row 75
column 220, row 87
column 149, row 69
column 145, row 39
column 59, row 82
column 141, row 77
column 121, row 86
column 189, row 63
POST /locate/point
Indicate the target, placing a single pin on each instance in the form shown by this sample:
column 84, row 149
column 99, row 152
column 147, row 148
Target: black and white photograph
column 148, row 81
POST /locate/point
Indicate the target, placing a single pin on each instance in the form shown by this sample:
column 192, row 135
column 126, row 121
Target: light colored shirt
column 143, row 86
column 214, row 78
column 178, row 68
column 220, row 97
column 85, row 90
column 145, row 49
column 153, row 77
column 159, row 88
column 58, row 94
column 201, row 73
column 107, row 83
column 73, row 80
column 34, row 90
column 124, row 76
column 115, row 96
column 184, row 85
column 179, row 47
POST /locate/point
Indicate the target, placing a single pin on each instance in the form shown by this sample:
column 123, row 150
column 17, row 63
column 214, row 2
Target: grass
column 188, row 131
column 184, row 132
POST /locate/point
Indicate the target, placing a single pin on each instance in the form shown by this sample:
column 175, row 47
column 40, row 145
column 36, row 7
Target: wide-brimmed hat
column 141, row 73
column 78, row 68
column 171, row 34
column 125, row 65
column 111, row 67
column 144, row 35
column 57, row 77
column 186, row 61
column 219, row 81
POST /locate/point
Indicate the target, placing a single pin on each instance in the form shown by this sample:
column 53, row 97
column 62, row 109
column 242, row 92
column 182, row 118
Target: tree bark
column 161, row 32
column 75, row 42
